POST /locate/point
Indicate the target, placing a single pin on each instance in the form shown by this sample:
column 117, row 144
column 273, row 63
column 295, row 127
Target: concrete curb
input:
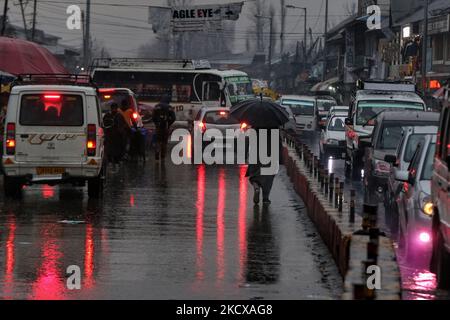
column 337, row 231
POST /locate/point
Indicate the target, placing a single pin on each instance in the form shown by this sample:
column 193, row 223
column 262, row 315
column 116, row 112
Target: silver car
column 415, row 205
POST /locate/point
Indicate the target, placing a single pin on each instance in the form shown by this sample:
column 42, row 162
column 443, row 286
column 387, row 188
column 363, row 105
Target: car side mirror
column 389, row 158
column 348, row 122
column 402, row 176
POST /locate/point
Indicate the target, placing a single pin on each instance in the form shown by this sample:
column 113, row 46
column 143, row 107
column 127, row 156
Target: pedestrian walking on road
column 263, row 182
column 163, row 117
column 115, row 130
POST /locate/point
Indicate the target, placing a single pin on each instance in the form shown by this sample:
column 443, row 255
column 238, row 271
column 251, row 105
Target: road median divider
column 359, row 249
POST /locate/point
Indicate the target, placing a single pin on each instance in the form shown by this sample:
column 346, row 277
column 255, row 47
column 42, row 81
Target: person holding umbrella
column 265, row 117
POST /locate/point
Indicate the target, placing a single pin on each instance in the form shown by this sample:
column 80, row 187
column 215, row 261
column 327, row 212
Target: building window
column 438, row 49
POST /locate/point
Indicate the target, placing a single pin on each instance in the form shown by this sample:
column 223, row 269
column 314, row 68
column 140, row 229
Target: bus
column 191, row 84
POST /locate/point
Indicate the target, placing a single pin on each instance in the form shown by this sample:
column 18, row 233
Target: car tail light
column 351, row 134
column 52, row 97
column 244, row 126
column 135, row 115
column 10, row 139
column 202, row 127
column 91, row 143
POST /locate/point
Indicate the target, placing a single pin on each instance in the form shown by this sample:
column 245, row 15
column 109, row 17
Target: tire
column 96, row 186
column 442, row 264
column 12, row 187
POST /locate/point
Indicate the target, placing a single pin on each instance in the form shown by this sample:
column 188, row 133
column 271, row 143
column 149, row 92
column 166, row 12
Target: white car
column 415, row 205
column 219, row 119
column 332, row 138
column 53, row 134
column 338, row 109
column 304, row 109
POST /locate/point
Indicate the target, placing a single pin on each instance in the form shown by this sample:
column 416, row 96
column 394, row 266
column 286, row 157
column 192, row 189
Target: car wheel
column 96, row 186
column 12, row 187
column 443, row 264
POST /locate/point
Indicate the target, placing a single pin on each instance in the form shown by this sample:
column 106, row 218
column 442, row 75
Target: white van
column 53, row 134
column 304, row 109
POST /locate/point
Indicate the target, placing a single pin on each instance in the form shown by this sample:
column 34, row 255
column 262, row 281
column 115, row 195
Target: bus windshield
column 239, row 88
column 299, row 107
column 368, row 110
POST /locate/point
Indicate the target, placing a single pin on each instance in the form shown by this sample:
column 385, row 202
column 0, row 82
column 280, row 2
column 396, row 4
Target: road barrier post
column 336, row 193
column 352, row 205
column 341, row 196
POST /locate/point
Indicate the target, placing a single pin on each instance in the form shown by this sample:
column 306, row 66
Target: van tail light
column 91, row 143
column 244, row 126
column 10, row 139
column 202, row 127
column 135, row 115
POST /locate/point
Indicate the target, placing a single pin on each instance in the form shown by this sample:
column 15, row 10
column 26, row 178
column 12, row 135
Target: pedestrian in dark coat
column 258, row 180
column 115, row 130
column 163, row 117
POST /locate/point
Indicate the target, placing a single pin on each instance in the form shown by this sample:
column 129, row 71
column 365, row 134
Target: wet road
column 418, row 283
column 164, row 232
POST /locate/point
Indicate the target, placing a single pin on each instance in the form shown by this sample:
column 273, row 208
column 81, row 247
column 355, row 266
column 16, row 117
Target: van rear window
column 51, row 110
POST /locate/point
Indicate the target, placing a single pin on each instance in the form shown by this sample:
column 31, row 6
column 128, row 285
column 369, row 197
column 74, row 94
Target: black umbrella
column 261, row 114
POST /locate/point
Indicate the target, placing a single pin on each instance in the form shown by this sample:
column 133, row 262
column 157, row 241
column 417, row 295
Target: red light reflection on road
column 189, row 147
column 201, row 182
column 221, row 197
column 242, row 222
column 132, row 204
column 48, row 192
column 89, row 257
column 49, row 285
column 10, row 258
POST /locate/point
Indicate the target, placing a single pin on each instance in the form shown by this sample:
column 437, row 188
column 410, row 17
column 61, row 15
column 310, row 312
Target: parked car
column 415, row 206
column 371, row 99
column 53, row 134
column 388, row 132
column 440, row 193
column 332, row 138
column 412, row 138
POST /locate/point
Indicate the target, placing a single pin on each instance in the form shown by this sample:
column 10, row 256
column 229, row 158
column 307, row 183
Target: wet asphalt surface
column 418, row 283
column 164, row 232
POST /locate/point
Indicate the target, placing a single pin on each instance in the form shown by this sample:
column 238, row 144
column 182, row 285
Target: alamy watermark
column 374, row 19
column 258, row 147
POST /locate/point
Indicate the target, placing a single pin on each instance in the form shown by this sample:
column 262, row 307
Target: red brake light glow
column 135, row 115
column 106, row 90
column 202, row 127
column 91, row 143
column 223, row 113
column 107, row 97
column 244, row 126
column 52, row 97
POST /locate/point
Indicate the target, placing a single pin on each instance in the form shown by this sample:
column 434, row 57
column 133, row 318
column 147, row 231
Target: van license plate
column 50, row 171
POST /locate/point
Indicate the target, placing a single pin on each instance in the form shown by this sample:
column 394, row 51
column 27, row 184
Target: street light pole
column 5, row 11
column 305, row 27
column 425, row 49
column 270, row 40
column 325, row 48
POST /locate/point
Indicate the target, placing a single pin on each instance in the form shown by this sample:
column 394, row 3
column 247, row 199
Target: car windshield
column 220, row 118
column 300, row 107
column 368, row 110
column 337, row 124
column 411, row 147
column 390, row 137
column 427, row 171
column 51, row 110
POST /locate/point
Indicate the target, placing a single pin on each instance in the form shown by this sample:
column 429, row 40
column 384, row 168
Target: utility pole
column 87, row 48
column 5, row 11
column 270, row 40
column 425, row 49
column 33, row 30
column 325, row 47
column 283, row 27
column 22, row 9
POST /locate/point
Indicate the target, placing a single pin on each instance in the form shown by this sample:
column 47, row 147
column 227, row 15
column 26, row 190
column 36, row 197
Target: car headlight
column 426, row 204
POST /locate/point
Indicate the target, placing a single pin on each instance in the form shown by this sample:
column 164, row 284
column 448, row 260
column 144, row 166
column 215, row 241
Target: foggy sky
column 123, row 29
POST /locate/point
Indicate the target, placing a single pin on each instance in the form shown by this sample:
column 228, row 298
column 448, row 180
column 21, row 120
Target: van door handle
column 24, row 136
